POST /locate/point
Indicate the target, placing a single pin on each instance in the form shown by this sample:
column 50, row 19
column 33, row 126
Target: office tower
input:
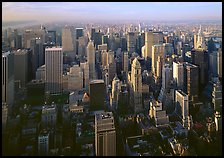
column 43, row 142
column 182, row 106
column 217, row 96
column 166, row 76
column 159, row 66
column 78, row 34
column 97, row 93
column 168, row 49
column 85, row 70
column 152, row 38
column 213, row 64
column 191, row 79
column 123, row 100
column 4, row 114
column 123, row 44
column 49, row 116
column 40, row 73
column 218, row 121
column 81, row 46
column 115, row 91
column 97, row 38
column 104, row 58
column 21, row 67
column 93, row 30
column 75, row 78
column 200, row 58
column 111, row 71
column 54, row 69
column 195, row 41
column 136, row 80
column 131, row 42
column 68, row 39
column 199, row 38
column 186, row 48
column 178, row 74
column 144, row 55
column 125, row 61
column 17, row 40
column 105, row 134
column 219, row 62
column 105, row 39
column 8, row 78
column 91, row 60
column 110, row 57
column 157, row 50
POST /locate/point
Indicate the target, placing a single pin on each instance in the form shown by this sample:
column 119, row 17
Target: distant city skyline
column 108, row 11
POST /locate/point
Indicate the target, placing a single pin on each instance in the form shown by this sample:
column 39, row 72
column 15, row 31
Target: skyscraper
column 131, row 42
column 157, row 50
column 54, row 69
column 217, row 96
column 97, row 93
column 105, row 134
column 191, row 85
column 8, row 78
column 219, row 62
column 125, row 61
column 178, row 74
column 115, row 91
column 68, row 42
column 43, row 143
column 136, row 81
column 91, row 60
column 182, row 106
column 21, row 66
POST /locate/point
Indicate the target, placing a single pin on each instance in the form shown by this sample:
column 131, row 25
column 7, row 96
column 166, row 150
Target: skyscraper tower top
column 136, row 63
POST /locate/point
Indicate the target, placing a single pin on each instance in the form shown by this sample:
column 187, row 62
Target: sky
column 72, row 11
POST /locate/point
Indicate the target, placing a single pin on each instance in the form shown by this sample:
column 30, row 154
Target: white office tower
column 178, row 74
column 116, row 86
column 136, row 80
column 54, row 69
column 182, row 106
column 105, row 134
column 91, row 60
column 144, row 55
column 8, row 78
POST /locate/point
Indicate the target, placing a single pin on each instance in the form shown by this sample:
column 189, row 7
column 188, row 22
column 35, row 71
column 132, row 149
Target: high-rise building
column 21, row 66
column 8, row 78
column 213, row 64
column 115, row 91
column 166, row 76
column 152, row 38
column 54, row 69
column 217, row 96
column 131, row 42
column 191, row 79
column 78, row 33
column 67, row 39
column 157, row 50
column 43, row 143
column 105, row 134
column 200, row 58
column 178, row 74
column 219, row 62
column 125, row 61
column 91, row 60
column 136, row 82
column 97, row 93
column 218, row 121
column 49, row 116
column 85, row 70
column 75, row 78
column 182, row 106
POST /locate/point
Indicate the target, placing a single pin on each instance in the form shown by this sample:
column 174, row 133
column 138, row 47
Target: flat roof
column 96, row 81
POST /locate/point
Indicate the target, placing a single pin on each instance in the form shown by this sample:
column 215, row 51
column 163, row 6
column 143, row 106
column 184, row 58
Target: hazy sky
column 56, row 11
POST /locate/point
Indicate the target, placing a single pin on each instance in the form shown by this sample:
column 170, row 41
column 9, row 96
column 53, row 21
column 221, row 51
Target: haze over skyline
column 66, row 11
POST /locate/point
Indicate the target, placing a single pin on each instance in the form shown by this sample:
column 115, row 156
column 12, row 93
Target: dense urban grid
column 127, row 89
